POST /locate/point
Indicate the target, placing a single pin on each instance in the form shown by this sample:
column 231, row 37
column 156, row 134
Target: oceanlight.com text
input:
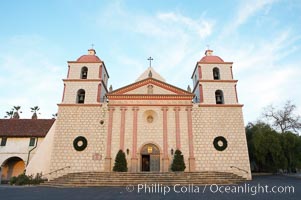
column 158, row 188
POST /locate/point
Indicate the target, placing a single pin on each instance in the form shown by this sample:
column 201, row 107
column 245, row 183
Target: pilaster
column 122, row 128
column 109, row 140
column 177, row 119
column 165, row 141
column 191, row 158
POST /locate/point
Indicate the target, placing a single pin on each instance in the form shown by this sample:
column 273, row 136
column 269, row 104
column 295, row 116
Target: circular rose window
column 150, row 119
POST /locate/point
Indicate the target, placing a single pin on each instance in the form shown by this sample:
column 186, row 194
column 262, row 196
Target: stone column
column 134, row 160
column 108, row 158
column 191, row 158
column 178, row 138
column 165, row 142
column 122, row 128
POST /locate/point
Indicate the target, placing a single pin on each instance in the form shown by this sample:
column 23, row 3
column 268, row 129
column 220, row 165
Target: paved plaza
column 261, row 187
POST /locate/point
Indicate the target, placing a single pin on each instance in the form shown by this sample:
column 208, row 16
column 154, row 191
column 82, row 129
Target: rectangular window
column 32, row 142
column 3, row 141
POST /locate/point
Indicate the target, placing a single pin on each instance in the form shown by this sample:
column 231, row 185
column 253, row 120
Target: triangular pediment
column 150, row 86
column 150, row 73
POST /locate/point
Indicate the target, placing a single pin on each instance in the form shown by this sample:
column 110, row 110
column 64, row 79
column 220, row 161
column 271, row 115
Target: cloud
column 169, row 37
column 201, row 26
column 268, row 73
column 175, row 40
column 248, row 9
column 245, row 11
column 31, row 77
column 266, row 64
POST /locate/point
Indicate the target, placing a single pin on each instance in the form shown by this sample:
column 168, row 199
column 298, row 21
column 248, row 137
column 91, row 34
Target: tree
column 270, row 151
column 285, row 118
column 16, row 112
column 178, row 163
column 34, row 110
column 9, row 114
column 265, row 149
column 291, row 145
column 120, row 162
column 17, row 108
column 54, row 116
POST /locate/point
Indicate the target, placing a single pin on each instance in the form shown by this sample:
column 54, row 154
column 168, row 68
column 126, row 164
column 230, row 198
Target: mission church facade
column 148, row 119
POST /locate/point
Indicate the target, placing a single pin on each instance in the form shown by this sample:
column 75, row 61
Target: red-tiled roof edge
column 25, row 127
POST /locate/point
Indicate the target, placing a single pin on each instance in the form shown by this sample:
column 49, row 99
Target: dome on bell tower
column 91, row 57
column 209, row 58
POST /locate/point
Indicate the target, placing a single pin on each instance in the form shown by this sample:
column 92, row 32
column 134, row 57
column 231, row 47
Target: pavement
column 261, row 187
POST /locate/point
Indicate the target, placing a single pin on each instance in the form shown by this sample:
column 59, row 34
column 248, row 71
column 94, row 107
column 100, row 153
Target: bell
column 216, row 76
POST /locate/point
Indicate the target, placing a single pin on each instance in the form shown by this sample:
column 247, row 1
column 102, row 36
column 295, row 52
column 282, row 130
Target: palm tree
column 17, row 108
column 34, row 110
column 54, row 116
column 9, row 114
column 16, row 113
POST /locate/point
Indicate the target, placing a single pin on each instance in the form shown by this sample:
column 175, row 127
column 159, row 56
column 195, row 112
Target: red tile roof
column 25, row 127
column 211, row 59
column 88, row 58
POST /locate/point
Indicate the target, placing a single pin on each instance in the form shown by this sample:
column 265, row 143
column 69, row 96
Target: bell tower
column 80, row 128
column 213, row 81
column 86, row 81
column 217, row 118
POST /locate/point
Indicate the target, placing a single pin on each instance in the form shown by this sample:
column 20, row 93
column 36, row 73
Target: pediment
column 150, row 86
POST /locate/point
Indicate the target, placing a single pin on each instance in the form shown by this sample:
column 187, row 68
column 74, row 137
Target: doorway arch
column 12, row 166
column 150, row 158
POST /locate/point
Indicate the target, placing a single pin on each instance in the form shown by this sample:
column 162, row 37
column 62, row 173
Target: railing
column 57, row 170
column 239, row 169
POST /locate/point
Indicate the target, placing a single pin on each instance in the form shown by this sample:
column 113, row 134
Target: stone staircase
column 94, row 179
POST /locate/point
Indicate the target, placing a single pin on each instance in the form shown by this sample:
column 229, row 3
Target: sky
column 261, row 37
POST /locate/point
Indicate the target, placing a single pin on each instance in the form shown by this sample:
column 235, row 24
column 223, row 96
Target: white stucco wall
column 40, row 162
column 17, row 147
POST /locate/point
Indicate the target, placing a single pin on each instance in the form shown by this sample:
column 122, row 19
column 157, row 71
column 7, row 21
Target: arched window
column 219, row 97
column 216, row 74
column 150, row 89
column 84, row 73
column 80, row 96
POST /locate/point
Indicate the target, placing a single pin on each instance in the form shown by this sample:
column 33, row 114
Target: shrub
column 120, row 162
column 178, row 163
column 23, row 179
column 37, row 179
column 13, row 180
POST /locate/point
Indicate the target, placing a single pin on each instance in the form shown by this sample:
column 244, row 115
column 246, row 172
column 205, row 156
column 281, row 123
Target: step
column 91, row 179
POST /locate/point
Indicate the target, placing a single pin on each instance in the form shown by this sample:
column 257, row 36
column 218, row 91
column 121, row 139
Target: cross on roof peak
column 150, row 61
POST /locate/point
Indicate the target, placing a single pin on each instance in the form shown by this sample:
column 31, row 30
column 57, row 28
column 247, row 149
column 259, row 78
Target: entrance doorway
column 145, row 163
column 150, row 158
